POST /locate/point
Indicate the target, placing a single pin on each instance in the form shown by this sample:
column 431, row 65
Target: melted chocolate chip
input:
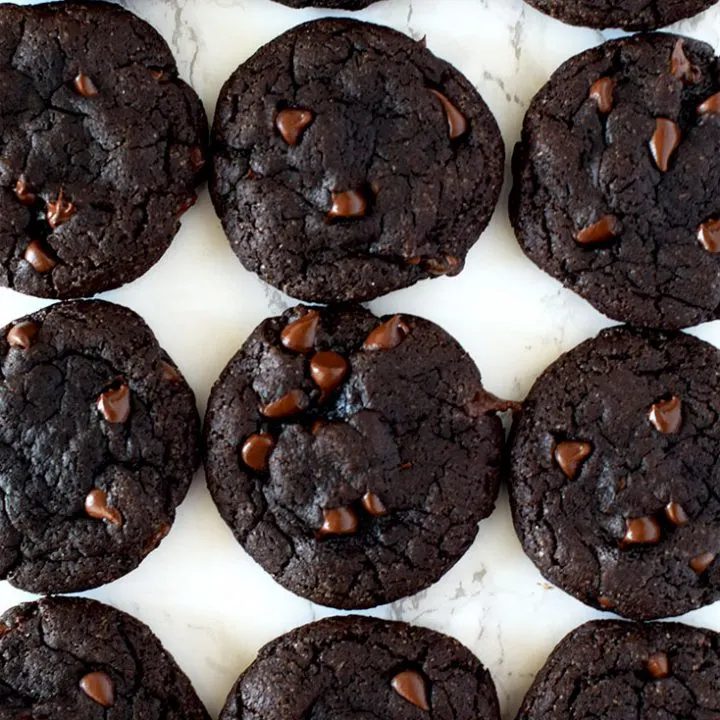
column 98, row 686
column 642, row 531
column 676, row 514
column 709, row 235
column 607, row 228
column 388, row 335
column 37, row 256
column 256, row 451
column 328, row 369
column 23, row 194
column 681, row 67
column 159, row 74
column 96, row 506
column 605, row 602
column 59, row 211
column 169, row 372
column 348, row 204
column 291, row 403
column 700, row 563
column 84, row 85
column 338, row 521
column 665, row 141
column 299, row 335
column 373, row 504
column 601, row 91
column 412, row 686
column 114, row 404
column 570, row 455
column 485, row 403
column 658, row 665
column 291, row 124
column 155, row 538
column 666, row 415
column 22, row 334
column 448, row 265
column 457, row 123
column 711, row 106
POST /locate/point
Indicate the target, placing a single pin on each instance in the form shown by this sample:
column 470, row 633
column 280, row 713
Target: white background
column 209, row 603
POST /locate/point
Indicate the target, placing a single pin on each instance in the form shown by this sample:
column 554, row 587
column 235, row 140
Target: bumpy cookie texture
column 80, row 659
column 610, row 669
column 628, row 14
column 349, row 161
column 102, row 146
column 98, row 444
column 352, row 456
column 617, row 180
column 354, row 667
column 614, row 483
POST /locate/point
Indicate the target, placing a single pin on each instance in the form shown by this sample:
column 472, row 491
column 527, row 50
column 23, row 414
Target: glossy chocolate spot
column 570, row 455
column 338, row 521
column 666, row 415
column 99, row 687
column 709, row 235
column 601, row 91
column 711, row 106
column 681, row 67
column 607, row 228
column 59, row 211
column 412, row 686
column 299, row 335
column 448, row 265
column 605, row 602
column 291, row 403
column 348, row 204
column 373, row 504
column 457, row 123
column 159, row 74
column 22, row 334
column 114, row 404
column 155, row 538
column 388, row 335
column 292, row 122
column 485, row 403
column 23, row 194
column 328, row 369
column 38, row 257
column 700, row 563
column 658, row 665
column 96, row 506
column 256, row 451
column 84, row 85
column 169, row 373
column 665, row 141
column 676, row 514
column 642, row 531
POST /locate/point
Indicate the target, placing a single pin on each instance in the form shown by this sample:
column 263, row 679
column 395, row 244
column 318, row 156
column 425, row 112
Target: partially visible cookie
column 65, row 658
column 98, row 444
column 357, row 667
column 614, row 480
column 349, row 161
column 334, row 4
column 102, row 147
column 609, row 669
column 617, row 180
column 353, row 456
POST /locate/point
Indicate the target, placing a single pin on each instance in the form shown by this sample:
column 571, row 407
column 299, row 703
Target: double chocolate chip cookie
column 349, row 161
column 614, row 479
column 65, row 658
column 617, row 180
column 353, row 456
column 610, row 669
column 98, row 444
column 101, row 147
column 355, row 667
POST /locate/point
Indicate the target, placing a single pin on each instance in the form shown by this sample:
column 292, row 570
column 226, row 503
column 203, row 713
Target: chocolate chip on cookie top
column 617, row 180
column 349, row 161
column 351, row 455
column 613, row 478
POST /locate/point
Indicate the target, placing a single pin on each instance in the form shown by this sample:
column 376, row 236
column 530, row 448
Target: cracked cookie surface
column 98, row 444
column 349, row 161
column 611, row 669
column 352, row 456
column 361, row 668
column 614, row 480
column 102, row 147
column 81, row 659
column 617, row 180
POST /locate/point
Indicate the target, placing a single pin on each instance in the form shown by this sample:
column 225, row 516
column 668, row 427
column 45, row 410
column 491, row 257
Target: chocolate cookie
column 628, row 14
column 353, row 456
column 98, row 444
column 80, row 659
column 357, row 667
column 614, row 480
column 617, row 180
column 334, row 4
column 349, row 161
column 609, row 669
column 102, row 146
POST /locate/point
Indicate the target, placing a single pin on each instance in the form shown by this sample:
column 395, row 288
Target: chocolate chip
column 96, row 506
column 457, row 124
column 412, row 686
column 658, row 665
column 373, row 504
column 338, row 521
column 607, row 228
column 709, row 235
column 291, row 403
column 59, row 211
column 114, row 404
column 664, row 142
column 197, row 158
column 570, row 455
column 700, row 563
column 299, row 335
column 666, row 415
column 642, row 531
column 4, row 630
column 605, row 602
column 155, row 538
column 328, row 369
column 85, row 86
column 711, row 106
column 291, row 123
column 348, row 204
column 37, row 256
column 681, row 67
column 601, row 91
column 388, row 335
column 485, row 403
column 256, row 451
column 448, row 265
column 169, row 372
column 99, row 687
column 22, row 192
column 676, row 514
column 22, row 334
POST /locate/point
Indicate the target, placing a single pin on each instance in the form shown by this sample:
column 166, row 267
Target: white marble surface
column 209, row 603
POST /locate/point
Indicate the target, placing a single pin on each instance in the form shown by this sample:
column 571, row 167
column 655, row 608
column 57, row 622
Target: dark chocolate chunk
column 291, row 124
column 412, row 686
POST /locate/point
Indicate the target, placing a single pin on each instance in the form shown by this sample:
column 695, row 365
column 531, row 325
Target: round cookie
column 349, row 161
column 98, row 443
column 102, row 147
column 612, row 669
column 617, row 180
column 353, row 456
column 614, row 481
column 363, row 668
column 627, row 14
column 333, row 4
column 80, row 659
